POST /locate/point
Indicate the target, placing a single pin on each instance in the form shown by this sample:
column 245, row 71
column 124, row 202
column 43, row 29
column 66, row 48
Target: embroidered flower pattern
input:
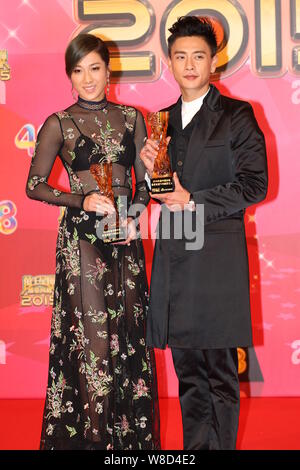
column 34, row 181
column 96, row 272
column 140, row 390
column 71, row 256
column 108, row 147
column 100, row 371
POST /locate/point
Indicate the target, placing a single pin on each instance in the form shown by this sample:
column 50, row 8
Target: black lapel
column 208, row 117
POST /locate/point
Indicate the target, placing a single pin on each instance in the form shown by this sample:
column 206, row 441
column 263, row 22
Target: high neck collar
column 92, row 105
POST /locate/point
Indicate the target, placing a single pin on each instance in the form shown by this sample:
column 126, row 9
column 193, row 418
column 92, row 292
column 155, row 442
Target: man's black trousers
column 209, row 397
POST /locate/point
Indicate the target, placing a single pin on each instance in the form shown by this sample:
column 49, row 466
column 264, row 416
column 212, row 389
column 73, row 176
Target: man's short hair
column 193, row 26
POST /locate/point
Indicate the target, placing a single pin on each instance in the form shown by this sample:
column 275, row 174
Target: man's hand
column 176, row 200
column 149, row 153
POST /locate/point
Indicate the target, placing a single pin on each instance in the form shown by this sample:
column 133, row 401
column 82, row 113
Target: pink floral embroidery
column 140, row 390
column 114, row 344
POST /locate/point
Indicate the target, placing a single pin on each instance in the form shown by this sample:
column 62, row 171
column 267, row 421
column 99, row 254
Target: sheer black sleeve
column 49, row 142
column 141, row 195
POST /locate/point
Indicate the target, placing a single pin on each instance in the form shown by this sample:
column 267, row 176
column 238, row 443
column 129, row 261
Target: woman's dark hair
column 82, row 45
column 193, row 26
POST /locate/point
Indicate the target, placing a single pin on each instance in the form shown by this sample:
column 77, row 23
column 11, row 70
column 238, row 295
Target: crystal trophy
column 112, row 231
column 162, row 177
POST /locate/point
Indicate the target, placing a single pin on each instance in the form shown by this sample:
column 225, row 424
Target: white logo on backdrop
column 2, row 93
column 2, row 352
column 296, row 94
column 296, row 354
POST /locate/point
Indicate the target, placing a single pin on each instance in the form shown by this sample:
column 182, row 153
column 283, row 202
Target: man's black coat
column 199, row 299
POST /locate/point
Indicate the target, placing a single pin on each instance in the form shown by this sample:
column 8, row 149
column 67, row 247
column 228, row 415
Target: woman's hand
column 129, row 223
column 96, row 203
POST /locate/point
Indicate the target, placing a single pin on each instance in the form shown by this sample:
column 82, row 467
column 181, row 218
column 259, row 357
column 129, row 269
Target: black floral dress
column 102, row 391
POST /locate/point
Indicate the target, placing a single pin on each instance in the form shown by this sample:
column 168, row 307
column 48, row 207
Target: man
column 199, row 299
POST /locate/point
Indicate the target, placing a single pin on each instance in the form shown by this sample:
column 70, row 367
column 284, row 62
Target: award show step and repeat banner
column 259, row 61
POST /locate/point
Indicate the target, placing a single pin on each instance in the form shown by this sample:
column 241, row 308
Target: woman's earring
column 74, row 94
column 107, row 85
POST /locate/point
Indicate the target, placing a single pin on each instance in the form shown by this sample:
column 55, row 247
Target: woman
column 102, row 386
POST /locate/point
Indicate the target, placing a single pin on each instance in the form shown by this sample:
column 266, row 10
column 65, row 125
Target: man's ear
column 170, row 64
column 214, row 64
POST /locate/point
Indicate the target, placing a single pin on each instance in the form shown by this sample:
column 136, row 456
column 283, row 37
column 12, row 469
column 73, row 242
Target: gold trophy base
column 162, row 184
column 113, row 234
